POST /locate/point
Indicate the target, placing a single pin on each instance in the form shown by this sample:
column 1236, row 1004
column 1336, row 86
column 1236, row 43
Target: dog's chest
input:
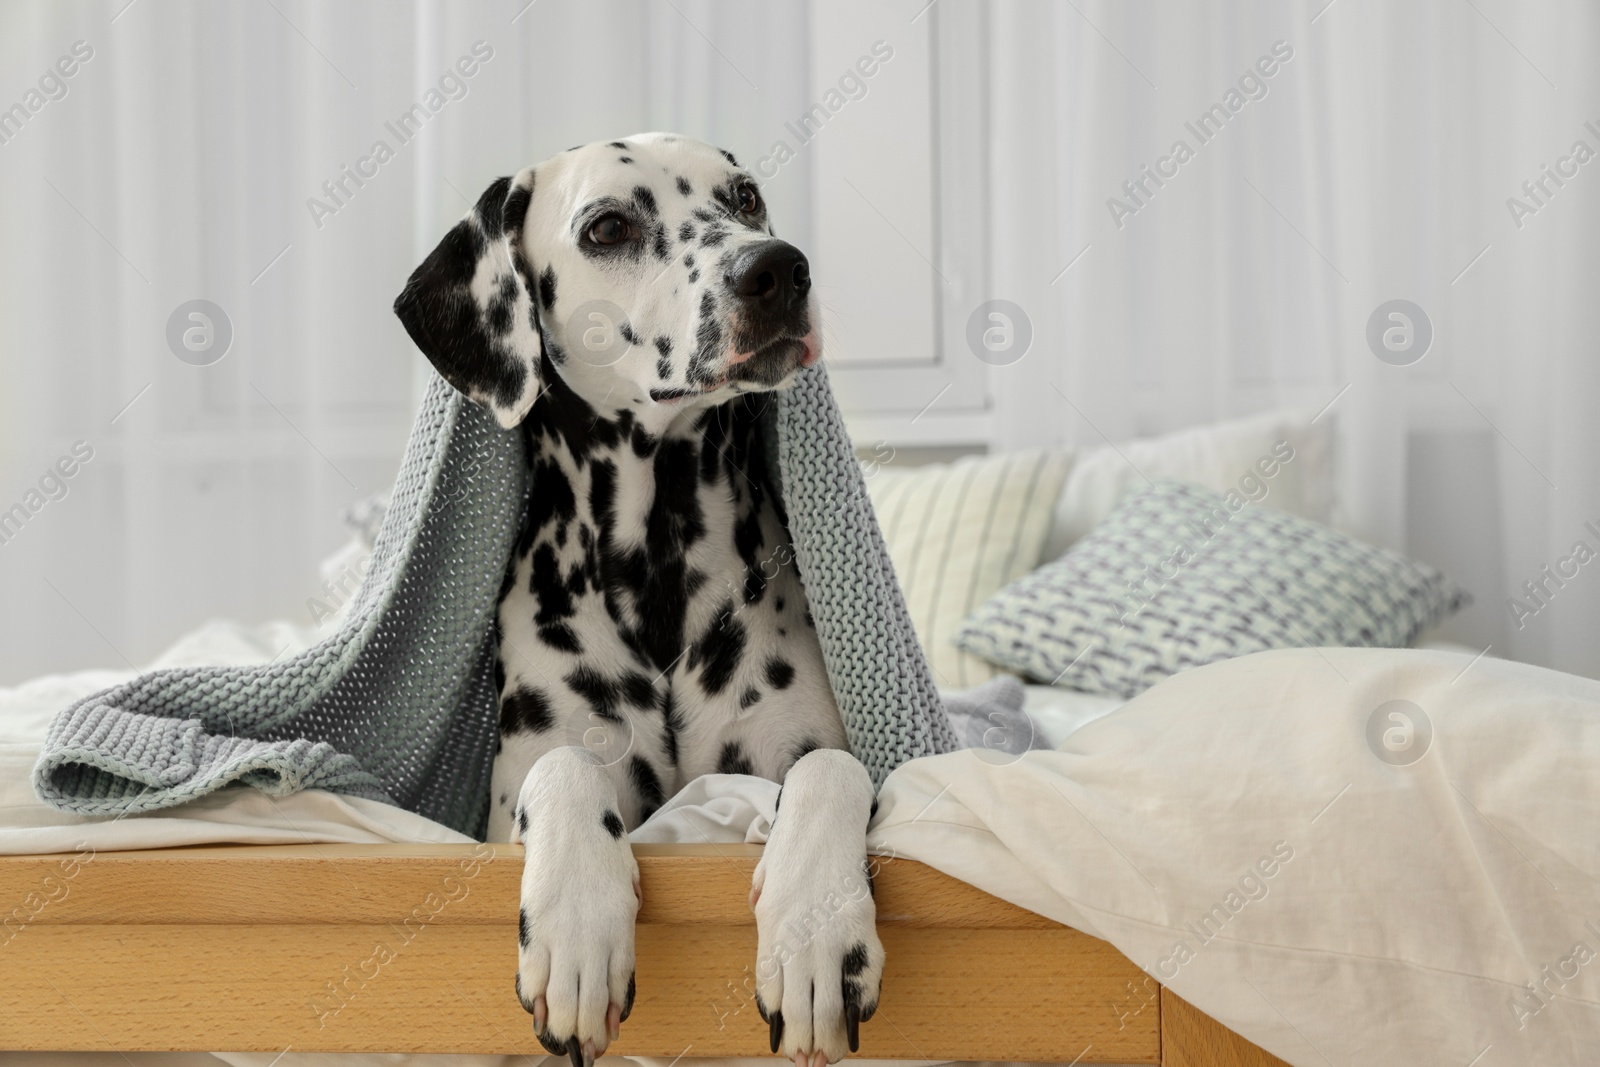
column 654, row 613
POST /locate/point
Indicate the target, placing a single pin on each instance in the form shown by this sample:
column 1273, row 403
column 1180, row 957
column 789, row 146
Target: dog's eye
column 749, row 199
column 609, row 230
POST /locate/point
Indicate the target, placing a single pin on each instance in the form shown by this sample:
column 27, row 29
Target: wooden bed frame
column 412, row 948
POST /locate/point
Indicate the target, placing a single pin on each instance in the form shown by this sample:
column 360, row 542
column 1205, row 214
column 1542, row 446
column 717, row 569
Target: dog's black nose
column 773, row 274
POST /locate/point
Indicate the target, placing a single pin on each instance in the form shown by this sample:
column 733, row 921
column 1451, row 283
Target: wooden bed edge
column 684, row 884
column 1191, row 1038
column 411, row 948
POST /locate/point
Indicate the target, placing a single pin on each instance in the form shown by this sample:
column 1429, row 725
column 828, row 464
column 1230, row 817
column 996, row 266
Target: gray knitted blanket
column 400, row 704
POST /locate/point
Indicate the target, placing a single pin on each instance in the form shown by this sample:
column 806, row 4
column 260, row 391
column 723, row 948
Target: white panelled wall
column 1374, row 162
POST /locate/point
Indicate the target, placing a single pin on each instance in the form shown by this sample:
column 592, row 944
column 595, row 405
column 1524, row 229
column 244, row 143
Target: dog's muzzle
column 771, row 284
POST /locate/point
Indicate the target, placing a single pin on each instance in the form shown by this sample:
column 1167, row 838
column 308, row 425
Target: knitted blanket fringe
column 400, row 704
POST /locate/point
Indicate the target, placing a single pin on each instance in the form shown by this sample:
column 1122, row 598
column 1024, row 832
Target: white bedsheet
column 1378, row 914
column 1408, row 909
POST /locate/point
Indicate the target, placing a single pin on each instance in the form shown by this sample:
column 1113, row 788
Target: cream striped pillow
column 957, row 532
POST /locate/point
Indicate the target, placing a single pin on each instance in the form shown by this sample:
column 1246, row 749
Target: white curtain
column 178, row 165
column 1377, row 165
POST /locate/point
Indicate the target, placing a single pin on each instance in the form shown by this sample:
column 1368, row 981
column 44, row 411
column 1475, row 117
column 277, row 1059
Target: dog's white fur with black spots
column 626, row 306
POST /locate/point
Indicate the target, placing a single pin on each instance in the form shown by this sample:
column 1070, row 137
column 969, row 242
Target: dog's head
column 644, row 271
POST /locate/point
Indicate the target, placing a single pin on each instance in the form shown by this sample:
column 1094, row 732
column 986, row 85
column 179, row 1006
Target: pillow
column 959, row 531
column 1179, row 576
column 1219, row 456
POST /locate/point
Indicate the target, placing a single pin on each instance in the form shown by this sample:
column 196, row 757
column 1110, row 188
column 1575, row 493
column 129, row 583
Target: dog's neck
column 582, row 417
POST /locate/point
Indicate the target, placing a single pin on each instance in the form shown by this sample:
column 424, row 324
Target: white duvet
column 1234, row 831
column 1235, row 834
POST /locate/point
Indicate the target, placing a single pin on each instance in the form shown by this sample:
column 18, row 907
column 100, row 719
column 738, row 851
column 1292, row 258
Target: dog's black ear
column 470, row 307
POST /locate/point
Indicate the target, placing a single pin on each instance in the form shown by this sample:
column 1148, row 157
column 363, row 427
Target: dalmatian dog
column 626, row 307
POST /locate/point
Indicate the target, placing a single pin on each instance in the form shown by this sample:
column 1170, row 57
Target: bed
column 1222, row 870
column 1382, row 940
column 158, row 933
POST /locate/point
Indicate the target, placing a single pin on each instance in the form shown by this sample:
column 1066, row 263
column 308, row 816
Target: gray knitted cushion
column 1174, row 578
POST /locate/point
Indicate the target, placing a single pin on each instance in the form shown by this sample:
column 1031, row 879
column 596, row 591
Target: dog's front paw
column 580, row 897
column 819, row 964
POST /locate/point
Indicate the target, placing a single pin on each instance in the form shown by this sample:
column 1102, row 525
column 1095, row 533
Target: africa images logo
column 452, row 85
column 1252, row 85
column 53, row 485
column 1399, row 732
column 1541, row 189
column 199, row 332
column 852, row 86
column 1399, row 332
column 53, row 85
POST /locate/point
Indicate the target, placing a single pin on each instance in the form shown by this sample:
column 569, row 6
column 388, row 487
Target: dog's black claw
column 627, row 1004
column 852, row 1025
column 551, row 1045
column 575, row 1051
column 776, row 1026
